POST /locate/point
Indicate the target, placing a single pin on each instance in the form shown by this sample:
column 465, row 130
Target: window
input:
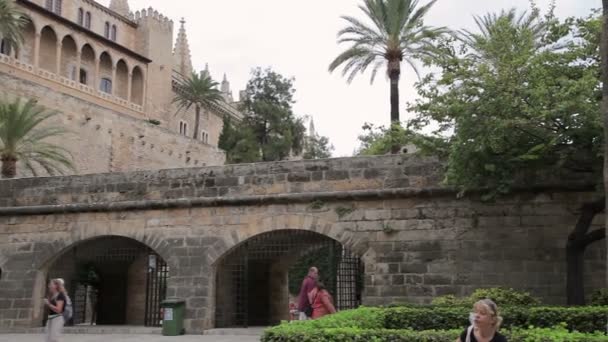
column 106, row 30
column 54, row 6
column 83, row 76
column 106, row 85
column 87, row 20
column 73, row 72
column 183, row 128
column 113, row 36
column 205, row 137
column 80, row 16
column 5, row 48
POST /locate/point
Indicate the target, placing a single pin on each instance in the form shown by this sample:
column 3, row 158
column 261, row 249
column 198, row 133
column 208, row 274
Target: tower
column 225, row 89
column 181, row 53
column 121, row 7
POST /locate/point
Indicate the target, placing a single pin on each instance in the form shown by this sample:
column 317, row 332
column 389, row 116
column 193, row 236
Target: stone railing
column 69, row 83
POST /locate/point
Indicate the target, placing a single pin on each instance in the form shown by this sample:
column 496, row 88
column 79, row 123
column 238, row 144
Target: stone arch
column 122, row 79
column 48, row 49
column 69, row 52
column 257, row 279
column 266, row 224
column 125, row 259
column 137, row 86
column 26, row 51
column 87, row 64
column 106, row 83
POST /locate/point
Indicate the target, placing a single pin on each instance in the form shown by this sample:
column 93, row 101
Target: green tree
column 522, row 108
column 397, row 33
column 12, row 23
column 239, row 142
column 198, row 91
column 23, row 139
column 269, row 114
column 317, row 147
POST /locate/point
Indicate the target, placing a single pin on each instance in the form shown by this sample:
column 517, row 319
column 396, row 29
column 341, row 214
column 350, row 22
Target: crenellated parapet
column 152, row 16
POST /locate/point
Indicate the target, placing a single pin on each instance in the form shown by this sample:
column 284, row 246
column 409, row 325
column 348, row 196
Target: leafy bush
column 599, row 297
column 303, row 333
column 363, row 318
column 501, row 296
column 504, row 297
column 584, row 319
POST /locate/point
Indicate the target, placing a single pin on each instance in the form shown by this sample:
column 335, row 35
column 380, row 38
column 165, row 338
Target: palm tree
column 12, row 23
column 506, row 34
column 198, row 91
column 22, row 139
column 396, row 33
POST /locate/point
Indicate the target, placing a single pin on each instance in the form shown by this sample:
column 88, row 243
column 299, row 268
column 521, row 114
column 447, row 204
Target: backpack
column 68, row 309
column 308, row 308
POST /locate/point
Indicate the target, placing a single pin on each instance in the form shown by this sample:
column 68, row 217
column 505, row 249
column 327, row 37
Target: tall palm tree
column 12, row 23
column 396, row 33
column 198, row 91
column 23, row 139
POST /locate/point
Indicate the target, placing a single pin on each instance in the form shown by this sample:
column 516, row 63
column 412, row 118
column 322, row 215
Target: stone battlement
column 150, row 14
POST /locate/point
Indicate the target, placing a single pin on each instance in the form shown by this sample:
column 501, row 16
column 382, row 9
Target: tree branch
column 588, row 212
column 595, row 235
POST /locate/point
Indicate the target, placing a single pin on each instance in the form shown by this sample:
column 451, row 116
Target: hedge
column 583, row 319
column 304, row 333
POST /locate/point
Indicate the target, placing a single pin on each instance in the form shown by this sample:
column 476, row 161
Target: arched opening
column 105, row 73
column 258, row 279
column 113, row 281
column 137, row 87
column 26, row 50
column 87, row 64
column 122, row 80
column 68, row 58
column 48, row 49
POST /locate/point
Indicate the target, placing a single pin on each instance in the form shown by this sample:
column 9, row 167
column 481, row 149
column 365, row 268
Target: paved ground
column 131, row 338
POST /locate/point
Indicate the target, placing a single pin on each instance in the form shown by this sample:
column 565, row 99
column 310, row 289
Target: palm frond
column 12, row 23
column 196, row 91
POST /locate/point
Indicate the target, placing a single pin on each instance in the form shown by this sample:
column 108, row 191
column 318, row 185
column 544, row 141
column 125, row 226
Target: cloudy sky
column 298, row 38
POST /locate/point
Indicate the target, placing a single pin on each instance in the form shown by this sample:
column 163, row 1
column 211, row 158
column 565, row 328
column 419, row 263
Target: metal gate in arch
column 250, row 280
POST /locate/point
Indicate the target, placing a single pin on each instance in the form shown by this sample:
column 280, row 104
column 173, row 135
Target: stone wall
column 105, row 140
column 415, row 238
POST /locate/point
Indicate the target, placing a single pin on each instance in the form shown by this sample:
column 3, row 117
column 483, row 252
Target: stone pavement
column 130, row 338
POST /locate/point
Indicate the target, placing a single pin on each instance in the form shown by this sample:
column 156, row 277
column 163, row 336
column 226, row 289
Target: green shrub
column 303, row 333
column 504, row 297
column 599, row 297
column 584, row 319
column 501, row 296
column 363, row 318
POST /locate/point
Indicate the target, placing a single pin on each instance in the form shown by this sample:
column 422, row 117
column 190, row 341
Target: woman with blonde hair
column 485, row 322
column 56, row 302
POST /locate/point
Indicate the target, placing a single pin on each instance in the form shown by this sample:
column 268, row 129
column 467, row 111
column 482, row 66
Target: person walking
column 55, row 302
column 308, row 284
column 322, row 301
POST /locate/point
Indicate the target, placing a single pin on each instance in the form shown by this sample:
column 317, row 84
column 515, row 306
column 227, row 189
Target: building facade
column 111, row 74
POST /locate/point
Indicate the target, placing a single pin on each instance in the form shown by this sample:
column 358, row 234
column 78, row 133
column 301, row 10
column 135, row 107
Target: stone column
column 114, row 80
column 78, row 65
column 129, row 85
column 37, row 49
column 58, row 59
column 96, row 78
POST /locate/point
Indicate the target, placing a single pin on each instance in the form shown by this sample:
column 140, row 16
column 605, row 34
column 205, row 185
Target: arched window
column 80, row 16
column 183, row 128
column 106, row 30
column 87, row 20
column 113, row 35
column 49, row 5
column 58, row 6
column 106, row 85
column 205, row 137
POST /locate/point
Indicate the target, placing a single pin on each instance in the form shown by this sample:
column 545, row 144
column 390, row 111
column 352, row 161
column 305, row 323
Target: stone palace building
column 111, row 74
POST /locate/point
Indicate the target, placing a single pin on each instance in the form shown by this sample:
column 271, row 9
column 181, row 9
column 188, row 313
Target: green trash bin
column 173, row 317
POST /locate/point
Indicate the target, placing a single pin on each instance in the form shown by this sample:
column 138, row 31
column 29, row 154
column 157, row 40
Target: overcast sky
column 298, row 38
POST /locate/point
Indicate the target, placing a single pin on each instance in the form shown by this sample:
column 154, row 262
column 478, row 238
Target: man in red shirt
column 308, row 284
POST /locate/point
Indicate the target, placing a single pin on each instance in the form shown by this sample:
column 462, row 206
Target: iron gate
column 114, row 252
column 244, row 273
